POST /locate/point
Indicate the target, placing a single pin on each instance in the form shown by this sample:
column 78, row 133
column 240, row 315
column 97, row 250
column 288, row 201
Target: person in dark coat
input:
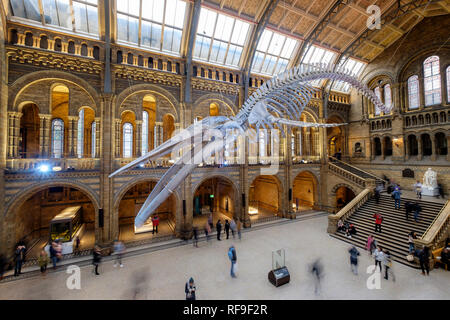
column 408, row 209
column 227, row 228
column 377, row 195
column 195, row 240
column 97, row 259
column 417, row 209
column 189, row 289
column 219, row 229
column 53, row 254
column 354, row 253
column 2, row 266
column 424, row 259
column 19, row 257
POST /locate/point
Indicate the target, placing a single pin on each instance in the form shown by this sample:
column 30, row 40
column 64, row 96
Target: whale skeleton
column 279, row 101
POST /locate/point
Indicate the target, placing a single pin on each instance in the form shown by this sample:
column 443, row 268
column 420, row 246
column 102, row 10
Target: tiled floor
column 162, row 274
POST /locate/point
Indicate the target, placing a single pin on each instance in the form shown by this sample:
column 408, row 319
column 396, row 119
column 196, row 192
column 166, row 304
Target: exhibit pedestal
column 430, row 192
column 279, row 277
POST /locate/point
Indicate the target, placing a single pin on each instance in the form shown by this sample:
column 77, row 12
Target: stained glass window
column 432, row 81
column 413, row 92
column 57, row 138
column 388, row 96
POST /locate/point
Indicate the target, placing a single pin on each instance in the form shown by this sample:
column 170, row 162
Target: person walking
column 411, row 237
column 379, row 256
column 418, row 187
column 53, row 254
column 408, row 209
column 189, row 289
column 370, row 241
column 397, row 195
column 378, row 220
column 417, row 209
column 207, row 231
column 210, row 221
column 97, row 259
column 238, row 226
column 43, row 261
column 227, row 228
column 387, row 262
column 2, row 266
column 155, row 223
column 233, row 227
column 377, row 195
column 219, row 229
column 317, row 273
column 424, row 259
column 233, row 258
column 19, row 256
column 195, row 237
column 354, row 253
column 119, row 250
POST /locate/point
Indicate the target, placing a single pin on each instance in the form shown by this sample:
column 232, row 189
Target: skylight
column 74, row 15
column 155, row 24
column 314, row 54
column 220, row 39
column 355, row 68
column 273, row 53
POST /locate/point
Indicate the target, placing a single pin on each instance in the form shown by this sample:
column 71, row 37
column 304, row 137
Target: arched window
column 293, row 144
column 387, row 96
column 432, row 81
column 144, row 132
column 127, row 140
column 57, row 138
column 93, row 138
column 262, row 143
column 448, row 83
column 80, row 136
column 413, row 92
column 377, row 91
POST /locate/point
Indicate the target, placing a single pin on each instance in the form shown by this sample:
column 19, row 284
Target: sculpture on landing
column 430, row 185
column 279, row 101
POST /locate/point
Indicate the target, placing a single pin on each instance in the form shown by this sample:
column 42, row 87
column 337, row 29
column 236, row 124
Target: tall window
column 144, row 132
column 262, row 142
column 57, row 138
column 448, row 83
column 75, row 15
column 314, row 54
column 220, row 38
column 127, row 140
column 378, row 94
column 355, row 68
column 94, row 137
column 273, row 53
column 160, row 23
column 413, row 92
column 387, row 96
column 432, row 81
column 80, row 135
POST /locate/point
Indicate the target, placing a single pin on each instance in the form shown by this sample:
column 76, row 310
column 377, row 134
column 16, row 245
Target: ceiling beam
column 253, row 43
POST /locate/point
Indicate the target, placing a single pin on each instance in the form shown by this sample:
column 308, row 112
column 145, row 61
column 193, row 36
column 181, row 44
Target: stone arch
column 154, row 90
column 220, row 176
column 280, row 190
column 219, row 99
column 316, row 188
column 21, row 84
column 25, row 193
column 336, row 187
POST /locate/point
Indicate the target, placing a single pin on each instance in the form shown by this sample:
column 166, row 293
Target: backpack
column 230, row 254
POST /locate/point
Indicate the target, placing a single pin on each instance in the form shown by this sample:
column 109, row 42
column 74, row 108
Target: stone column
column 433, row 148
column 117, row 135
column 407, row 155
column 51, row 44
column 36, row 42
column 21, row 39
column 14, row 133
column 156, row 139
column 138, row 138
column 373, row 149
column 44, row 135
column 448, row 148
column 419, row 148
column 73, row 135
column 96, row 152
column 383, row 146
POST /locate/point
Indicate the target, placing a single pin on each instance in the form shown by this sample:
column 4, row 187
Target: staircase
column 395, row 228
column 356, row 171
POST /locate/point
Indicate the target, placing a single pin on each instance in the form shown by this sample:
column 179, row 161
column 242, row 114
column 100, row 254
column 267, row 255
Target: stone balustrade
column 29, row 165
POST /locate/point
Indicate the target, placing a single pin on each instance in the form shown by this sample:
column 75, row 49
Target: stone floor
column 162, row 274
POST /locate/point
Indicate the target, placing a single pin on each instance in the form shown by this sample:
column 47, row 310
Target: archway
column 32, row 219
column 264, row 197
column 129, row 206
column 304, row 192
column 377, row 146
column 29, row 131
column 216, row 196
column 413, row 146
column 427, row 149
column 335, row 137
column 441, row 144
column 343, row 196
column 387, row 146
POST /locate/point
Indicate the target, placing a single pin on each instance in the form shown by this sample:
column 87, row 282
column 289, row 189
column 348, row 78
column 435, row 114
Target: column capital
column 15, row 114
column 45, row 116
column 73, row 118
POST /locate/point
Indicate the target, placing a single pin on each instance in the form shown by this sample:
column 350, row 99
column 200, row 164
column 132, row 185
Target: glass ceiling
column 273, row 53
column 155, row 24
column 355, row 68
column 74, row 15
column 220, row 39
column 314, row 54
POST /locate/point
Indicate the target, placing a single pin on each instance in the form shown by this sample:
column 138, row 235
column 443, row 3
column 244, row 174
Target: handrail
column 432, row 236
column 368, row 173
column 348, row 210
column 356, row 179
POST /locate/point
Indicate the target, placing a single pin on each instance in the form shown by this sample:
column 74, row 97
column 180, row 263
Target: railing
column 165, row 163
column 333, row 159
column 436, row 233
column 61, row 164
column 347, row 175
column 75, row 254
column 348, row 210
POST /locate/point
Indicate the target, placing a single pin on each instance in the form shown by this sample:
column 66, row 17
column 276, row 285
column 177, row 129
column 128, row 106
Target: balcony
column 30, row 165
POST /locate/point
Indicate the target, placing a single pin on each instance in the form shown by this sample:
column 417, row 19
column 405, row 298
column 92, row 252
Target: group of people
column 412, row 207
column 348, row 228
column 232, row 225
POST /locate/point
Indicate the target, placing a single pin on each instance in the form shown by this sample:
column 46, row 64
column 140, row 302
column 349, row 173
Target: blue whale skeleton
column 279, row 101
